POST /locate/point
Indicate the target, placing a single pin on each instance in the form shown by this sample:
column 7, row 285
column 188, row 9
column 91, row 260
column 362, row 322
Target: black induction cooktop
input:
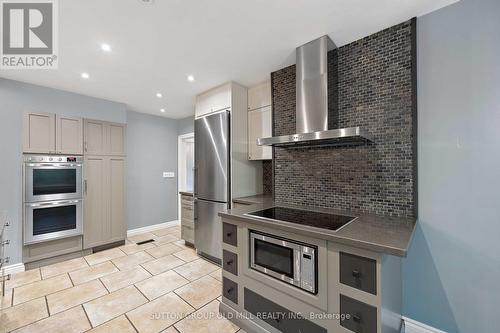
column 304, row 217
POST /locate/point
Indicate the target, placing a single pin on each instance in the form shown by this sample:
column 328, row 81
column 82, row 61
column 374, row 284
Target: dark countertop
column 186, row 193
column 384, row 234
column 254, row 199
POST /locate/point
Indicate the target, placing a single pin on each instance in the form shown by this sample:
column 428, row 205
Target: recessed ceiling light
column 85, row 75
column 106, row 47
column 159, row 95
column 190, row 78
column 162, row 110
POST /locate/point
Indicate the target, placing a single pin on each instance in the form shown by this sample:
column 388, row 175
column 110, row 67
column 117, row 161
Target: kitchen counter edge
column 254, row 199
column 383, row 234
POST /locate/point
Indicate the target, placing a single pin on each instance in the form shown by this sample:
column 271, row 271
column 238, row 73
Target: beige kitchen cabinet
column 117, row 139
column 69, row 135
column 216, row 99
column 117, row 173
column 259, row 126
column 104, row 138
column 95, row 137
column 260, row 120
column 39, row 133
column 95, row 203
column 50, row 133
column 259, row 96
column 105, row 200
column 187, row 218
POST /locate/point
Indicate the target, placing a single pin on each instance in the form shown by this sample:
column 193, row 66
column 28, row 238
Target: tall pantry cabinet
column 105, row 219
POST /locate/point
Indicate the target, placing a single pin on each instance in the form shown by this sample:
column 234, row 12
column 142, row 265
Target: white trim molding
column 13, row 269
column 153, row 227
column 413, row 326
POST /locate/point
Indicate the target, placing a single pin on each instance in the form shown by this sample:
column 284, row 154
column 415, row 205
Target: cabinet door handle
column 85, row 146
column 356, row 318
column 356, row 274
column 85, row 186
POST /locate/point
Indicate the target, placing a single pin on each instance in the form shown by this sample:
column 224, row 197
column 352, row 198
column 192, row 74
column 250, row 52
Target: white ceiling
column 155, row 47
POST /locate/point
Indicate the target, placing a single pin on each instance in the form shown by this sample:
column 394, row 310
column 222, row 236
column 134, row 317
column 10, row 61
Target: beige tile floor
column 163, row 286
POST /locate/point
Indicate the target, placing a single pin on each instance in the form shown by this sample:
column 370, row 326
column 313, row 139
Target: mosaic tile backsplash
column 374, row 87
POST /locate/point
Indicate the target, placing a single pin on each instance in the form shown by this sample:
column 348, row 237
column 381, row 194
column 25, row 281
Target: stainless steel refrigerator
column 212, row 182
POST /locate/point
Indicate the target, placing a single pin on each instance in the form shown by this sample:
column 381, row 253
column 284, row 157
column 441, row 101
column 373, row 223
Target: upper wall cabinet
column 69, row 135
column 214, row 100
column 259, row 96
column 260, row 120
column 117, row 139
column 259, row 126
column 48, row 133
column 39, row 133
column 105, row 138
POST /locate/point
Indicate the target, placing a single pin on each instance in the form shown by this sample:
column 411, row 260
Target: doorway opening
column 185, row 160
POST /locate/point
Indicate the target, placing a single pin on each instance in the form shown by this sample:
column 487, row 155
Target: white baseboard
column 13, row 269
column 413, row 326
column 153, row 227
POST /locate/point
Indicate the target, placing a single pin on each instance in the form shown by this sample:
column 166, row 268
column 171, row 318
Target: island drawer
column 230, row 262
column 358, row 272
column 362, row 317
column 230, row 290
column 230, row 234
column 278, row 316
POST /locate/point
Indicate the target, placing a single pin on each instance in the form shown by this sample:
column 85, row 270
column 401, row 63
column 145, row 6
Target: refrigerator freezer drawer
column 208, row 228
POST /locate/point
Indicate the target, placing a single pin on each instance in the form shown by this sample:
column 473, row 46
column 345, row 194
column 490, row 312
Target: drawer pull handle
column 356, row 274
column 229, row 262
column 230, row 290
column 229, row 234
column 356, row 318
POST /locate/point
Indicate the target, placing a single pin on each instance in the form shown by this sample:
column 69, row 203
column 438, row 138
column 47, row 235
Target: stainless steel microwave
column 290, row 261
column 49, row 178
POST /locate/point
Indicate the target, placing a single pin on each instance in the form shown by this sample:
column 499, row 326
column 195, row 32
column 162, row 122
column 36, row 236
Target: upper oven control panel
column 52, row 159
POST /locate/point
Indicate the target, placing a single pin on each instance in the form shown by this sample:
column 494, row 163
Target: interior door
column 211, row 157
column 208, row 228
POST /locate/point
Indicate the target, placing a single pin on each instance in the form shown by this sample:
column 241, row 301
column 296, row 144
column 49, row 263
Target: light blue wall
column 15, row 99
column 452, row 273
column 185, row 125
column 152, row 149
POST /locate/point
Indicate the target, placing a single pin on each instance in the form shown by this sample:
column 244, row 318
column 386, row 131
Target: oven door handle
column 53, row 203
column 56, row 165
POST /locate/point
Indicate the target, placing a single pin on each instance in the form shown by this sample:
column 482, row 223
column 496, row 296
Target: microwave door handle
column 297, row 256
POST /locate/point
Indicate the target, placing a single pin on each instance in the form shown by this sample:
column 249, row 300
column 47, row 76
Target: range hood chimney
column 315, row 122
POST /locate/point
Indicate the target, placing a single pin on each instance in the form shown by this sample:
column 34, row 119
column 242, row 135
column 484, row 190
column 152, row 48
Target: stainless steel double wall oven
column 53, row 197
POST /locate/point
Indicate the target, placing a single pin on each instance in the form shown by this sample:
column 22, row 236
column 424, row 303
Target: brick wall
column 371, row 85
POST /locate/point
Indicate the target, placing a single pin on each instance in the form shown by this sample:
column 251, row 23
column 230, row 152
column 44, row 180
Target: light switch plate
column 168, row 174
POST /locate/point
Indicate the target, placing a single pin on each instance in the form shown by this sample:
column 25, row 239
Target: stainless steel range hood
column 316, row 118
